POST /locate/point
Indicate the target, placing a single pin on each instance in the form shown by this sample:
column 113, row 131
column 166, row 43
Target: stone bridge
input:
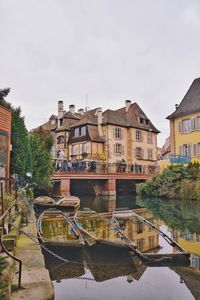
column 101, row 184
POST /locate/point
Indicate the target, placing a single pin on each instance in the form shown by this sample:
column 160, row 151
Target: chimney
column 176, row 106
column 127, row 104
column 81, row 111
column 60, row 109
column 99, row 115
column 72, row 108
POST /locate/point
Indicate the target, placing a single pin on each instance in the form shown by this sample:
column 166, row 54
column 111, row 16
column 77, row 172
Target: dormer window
column 53, row 122
column 83, row 131
column 76, row 132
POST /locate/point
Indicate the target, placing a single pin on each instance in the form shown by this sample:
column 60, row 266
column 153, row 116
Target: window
column 198, row 149
column 187, row 150
column 60, row 139
column 118, row 133
column 83, row 131
column 118, row 148
column 84, row 148
column 150, row 138
column 194, row 150
column 198, row 123
column 74, row 150
column 139, row 153
column 76, row 132
column 138, row 135
column 150, row 154
column 139, row 227
column 151, row 242
column 53, row 122
column 140, row 244
column 187, row 125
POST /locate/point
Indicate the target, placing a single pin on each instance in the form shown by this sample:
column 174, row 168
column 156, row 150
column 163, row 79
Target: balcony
column 179, row 159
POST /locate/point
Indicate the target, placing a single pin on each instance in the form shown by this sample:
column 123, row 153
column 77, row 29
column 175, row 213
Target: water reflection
column 116, row 275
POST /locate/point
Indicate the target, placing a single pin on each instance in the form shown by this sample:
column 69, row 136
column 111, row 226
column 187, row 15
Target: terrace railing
column 179, row 159
column 104, row 168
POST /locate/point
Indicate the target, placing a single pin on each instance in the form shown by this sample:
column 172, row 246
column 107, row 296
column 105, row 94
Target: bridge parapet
column 96, row 167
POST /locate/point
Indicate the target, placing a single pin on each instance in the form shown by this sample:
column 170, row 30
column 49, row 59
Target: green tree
column 19, row 140
column 40, row 158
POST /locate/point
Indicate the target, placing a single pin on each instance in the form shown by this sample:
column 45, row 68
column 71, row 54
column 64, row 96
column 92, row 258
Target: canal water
column 102, row 275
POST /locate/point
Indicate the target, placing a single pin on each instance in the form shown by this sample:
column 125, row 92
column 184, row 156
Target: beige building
column 112, row 136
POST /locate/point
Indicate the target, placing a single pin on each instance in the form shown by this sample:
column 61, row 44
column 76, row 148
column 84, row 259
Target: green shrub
column 177, row 181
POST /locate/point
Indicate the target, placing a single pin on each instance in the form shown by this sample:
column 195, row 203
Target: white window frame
column 150, row 153
column 74, row 149
column 138, row 136
column 118, row 149
column 84, row 148
column 76, row 132
column 187, row 125
column 118, row 133
column 83, row 131
column 149, row 138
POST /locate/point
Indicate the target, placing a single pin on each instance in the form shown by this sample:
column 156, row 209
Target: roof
column 190, row 103
column 119, row 117
column 130, row 118
column 93, row 133
column 69, row 115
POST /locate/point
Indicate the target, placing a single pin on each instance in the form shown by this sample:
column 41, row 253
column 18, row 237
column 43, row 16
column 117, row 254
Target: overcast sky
column 147, row 51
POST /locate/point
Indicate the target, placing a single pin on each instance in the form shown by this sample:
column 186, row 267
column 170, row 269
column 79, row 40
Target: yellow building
column 185, row 124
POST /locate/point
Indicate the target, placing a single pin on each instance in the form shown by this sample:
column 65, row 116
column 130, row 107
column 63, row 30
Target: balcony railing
column 179, row 159
column 97, row 167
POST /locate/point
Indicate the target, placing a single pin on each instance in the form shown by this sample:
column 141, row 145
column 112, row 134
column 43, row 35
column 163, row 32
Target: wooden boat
column 181, row 258
column 58, row 233
column 71, row 203
column 100, row 229
column 107, row 263
column 97, row 229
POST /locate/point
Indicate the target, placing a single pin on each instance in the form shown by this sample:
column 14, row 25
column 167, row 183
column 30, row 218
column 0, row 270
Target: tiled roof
column 130, row 118
column 190, row 103
column 94, row 134
column 76, row 116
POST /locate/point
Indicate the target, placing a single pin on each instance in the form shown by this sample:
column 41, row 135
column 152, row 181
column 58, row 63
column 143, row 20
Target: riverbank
column 36, row 282
column 175, row 182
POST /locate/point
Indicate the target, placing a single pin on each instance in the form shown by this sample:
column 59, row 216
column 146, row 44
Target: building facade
column 185, row 124
column 5, row 138
column 126, row 134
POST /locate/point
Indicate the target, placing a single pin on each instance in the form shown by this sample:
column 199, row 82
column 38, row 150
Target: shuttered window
column 194, row 150
column 118, row 149
column 138, row 135
column 180, row 129
column 193, row 124
column 198, row 149
column 198, row 123
column 187, row 125
column 180, row 150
